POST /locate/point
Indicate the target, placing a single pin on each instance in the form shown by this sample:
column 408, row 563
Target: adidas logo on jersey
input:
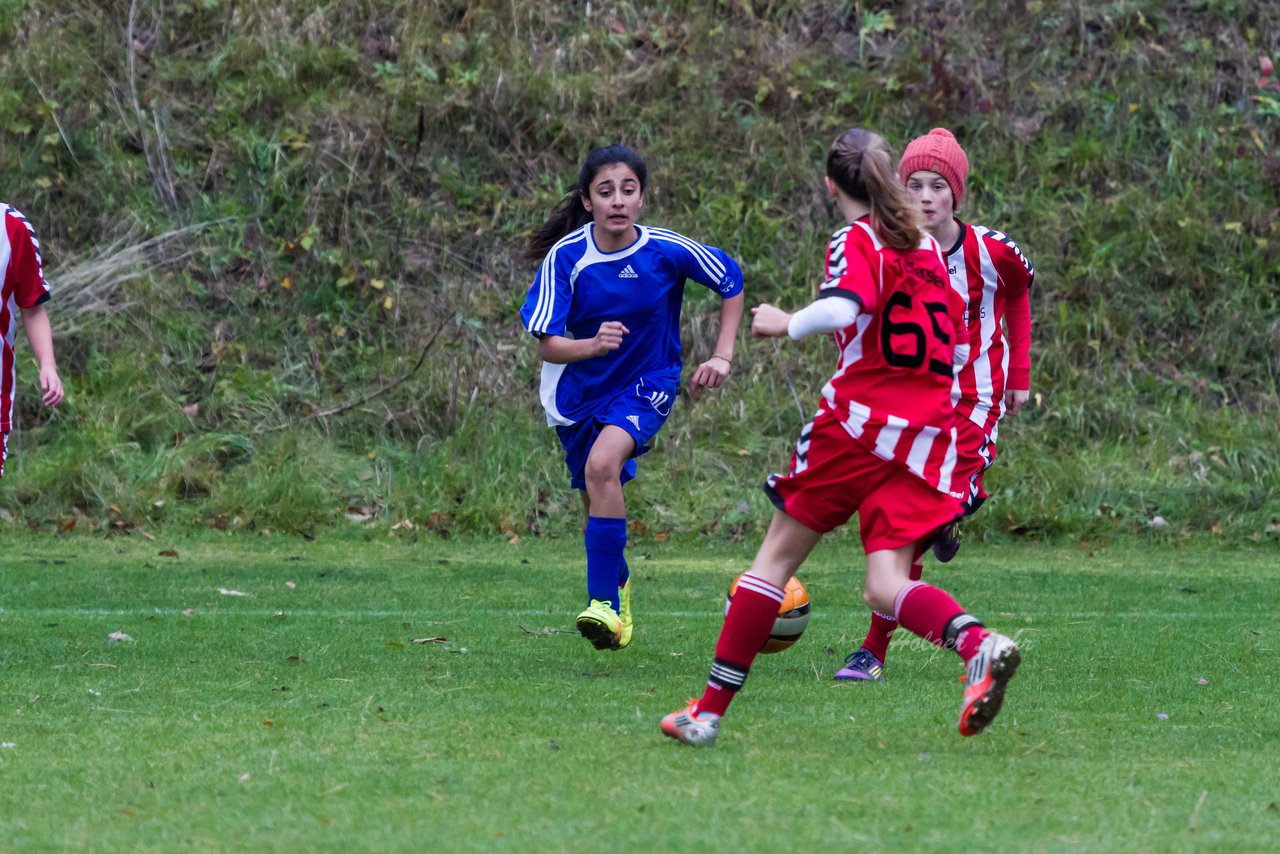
column 634, row 419
column 628, row 273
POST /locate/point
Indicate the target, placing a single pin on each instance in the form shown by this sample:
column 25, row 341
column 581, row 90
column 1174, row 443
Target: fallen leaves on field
column 119, row 637
column 430, row 640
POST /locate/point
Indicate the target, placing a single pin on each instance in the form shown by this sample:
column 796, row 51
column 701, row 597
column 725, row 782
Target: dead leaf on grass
column 119, row 637
column 430, row 640
column 168, row 553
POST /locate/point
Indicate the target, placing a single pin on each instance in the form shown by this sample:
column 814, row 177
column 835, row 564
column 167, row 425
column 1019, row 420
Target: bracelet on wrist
column 728, row 359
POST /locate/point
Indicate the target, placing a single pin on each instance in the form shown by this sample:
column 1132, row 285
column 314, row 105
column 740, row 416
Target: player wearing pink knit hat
column 938, row 152
column 992, row 364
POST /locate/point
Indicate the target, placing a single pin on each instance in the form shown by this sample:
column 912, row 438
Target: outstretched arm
column 35, row 320
column 823, row 315
column 712, row 372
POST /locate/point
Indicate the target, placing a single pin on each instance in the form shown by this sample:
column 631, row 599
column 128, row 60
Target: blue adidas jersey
column 578, row 287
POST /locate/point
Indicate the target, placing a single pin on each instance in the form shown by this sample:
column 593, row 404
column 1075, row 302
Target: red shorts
column 975, row 452
column 834, row 476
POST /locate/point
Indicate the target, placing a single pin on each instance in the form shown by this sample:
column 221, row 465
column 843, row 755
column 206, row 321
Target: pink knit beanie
column 937, row 151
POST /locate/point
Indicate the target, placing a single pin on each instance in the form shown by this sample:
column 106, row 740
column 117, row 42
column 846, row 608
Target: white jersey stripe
column 708, row 262
column 985, row 384
column 550, row 381
column 918, row 456
column 948, row 464
column 545, row 305
column 887, row 441
column 859, row 415
column 875, row 240
column 31, row 231
column 542, row 308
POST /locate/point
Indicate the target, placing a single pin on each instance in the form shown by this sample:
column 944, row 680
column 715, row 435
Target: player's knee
column 601, row 470
column 875, row 600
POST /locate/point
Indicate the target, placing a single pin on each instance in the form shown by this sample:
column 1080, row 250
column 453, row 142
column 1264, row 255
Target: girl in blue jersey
column 605, row 307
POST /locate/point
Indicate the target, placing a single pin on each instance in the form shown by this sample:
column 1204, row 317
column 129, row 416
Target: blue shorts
column 641, row 409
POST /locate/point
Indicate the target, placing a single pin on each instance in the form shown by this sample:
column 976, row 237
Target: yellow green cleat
column 601, row 625
column 624, row 614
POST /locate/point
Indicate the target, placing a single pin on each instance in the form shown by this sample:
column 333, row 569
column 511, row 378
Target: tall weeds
column 367, row 173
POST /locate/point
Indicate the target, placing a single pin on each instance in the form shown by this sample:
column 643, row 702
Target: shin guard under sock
column 746, row 630
column 605, row 538
column 931, row 613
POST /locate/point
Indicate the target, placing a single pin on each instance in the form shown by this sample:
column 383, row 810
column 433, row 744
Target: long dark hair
column 861, row 164
column 570, row 213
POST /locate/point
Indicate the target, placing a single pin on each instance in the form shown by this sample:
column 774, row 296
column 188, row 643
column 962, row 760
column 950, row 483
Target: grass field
column 304, row 716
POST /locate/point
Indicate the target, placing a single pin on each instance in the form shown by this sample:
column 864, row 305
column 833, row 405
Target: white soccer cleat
column 988, row 674
column 697, row 730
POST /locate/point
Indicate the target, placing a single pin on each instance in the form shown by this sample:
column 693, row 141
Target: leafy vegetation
column 333, row 199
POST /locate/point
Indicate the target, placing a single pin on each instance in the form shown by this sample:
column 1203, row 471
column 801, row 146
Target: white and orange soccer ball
column 793, row 615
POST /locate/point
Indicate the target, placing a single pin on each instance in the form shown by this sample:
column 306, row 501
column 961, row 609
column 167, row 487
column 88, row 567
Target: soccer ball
column 793, row 615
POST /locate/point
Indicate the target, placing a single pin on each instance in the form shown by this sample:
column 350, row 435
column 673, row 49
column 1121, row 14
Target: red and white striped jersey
column 989, row 270
column 891, row 389
column 24, row 286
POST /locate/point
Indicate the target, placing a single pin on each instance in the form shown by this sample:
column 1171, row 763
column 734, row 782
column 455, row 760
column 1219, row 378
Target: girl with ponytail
column 605, row 308
column 882, row 444
column 992, row 369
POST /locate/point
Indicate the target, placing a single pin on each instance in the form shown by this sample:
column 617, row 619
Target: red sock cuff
column 927, row 611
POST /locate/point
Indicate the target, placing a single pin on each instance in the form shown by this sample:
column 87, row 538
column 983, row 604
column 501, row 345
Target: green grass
column 305, row 717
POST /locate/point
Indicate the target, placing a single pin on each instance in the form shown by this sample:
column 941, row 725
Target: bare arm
column 712, row 372
column 35, row 321
column 559, row 350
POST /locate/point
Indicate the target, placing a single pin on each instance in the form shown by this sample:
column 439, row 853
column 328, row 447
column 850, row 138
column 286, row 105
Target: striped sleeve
column 25, row 273
column 849, row 266
column 1014, row 267
column 707, row 265
column 1018, row 319
column 546, row 305
column 1015, row 274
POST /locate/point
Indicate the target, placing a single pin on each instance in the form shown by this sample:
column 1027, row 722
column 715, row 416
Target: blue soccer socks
column 605, row 540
